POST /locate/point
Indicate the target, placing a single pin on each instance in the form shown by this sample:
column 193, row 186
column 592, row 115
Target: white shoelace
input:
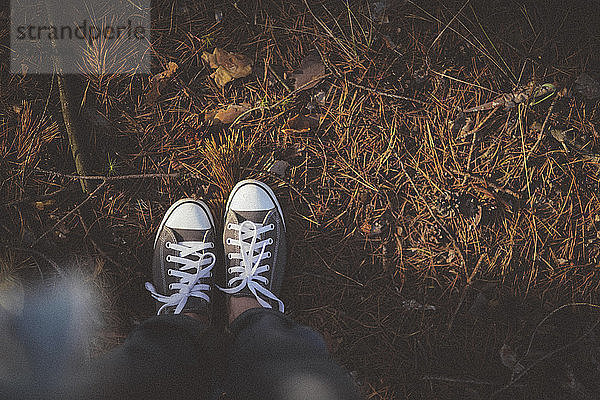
column 188, row 282
column 250, row 256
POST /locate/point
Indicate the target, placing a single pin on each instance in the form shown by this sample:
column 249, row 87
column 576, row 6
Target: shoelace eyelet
column 190, row 284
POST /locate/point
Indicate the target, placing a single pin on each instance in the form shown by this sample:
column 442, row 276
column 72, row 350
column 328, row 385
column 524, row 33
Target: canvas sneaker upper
column 254, row 243
column 183, row 259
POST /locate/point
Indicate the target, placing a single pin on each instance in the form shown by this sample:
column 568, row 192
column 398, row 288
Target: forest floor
column 443, row 252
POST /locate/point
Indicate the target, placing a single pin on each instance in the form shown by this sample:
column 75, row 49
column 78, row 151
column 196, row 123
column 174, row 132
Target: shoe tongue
column 258, row 217
column 188, row 235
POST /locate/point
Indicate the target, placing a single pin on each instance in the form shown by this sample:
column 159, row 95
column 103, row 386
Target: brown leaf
column 227, row 115
column 300, row 124
column 312, row 71
column 167, row 73
column 229, row 66
column 520, row 95
column 366, row 227
column 40, row 205
column 159, row 81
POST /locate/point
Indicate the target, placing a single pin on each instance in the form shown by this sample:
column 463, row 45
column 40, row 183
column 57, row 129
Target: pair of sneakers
column 253, row 246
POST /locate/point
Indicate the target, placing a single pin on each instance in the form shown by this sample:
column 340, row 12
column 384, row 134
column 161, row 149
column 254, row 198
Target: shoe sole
column 263, row 186
column 202, row 204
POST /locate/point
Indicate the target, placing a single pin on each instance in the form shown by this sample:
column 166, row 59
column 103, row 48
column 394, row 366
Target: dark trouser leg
column 274, row 358
column 166, row 357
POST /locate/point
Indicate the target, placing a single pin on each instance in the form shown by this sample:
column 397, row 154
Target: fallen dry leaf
column 374, row 229
column 167, row 73
column 311, row 72
column 227, row 115
column 366, row 227
column 40, row 205
column 300, row 124
column 158, row 82
column 229, row 66
column 518, row 96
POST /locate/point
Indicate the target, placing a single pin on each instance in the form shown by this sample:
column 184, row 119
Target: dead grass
column 463, row 219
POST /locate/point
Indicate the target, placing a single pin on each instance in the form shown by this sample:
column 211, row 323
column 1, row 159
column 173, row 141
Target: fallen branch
column 116, row 177
column 79, row 158
column 385, row 94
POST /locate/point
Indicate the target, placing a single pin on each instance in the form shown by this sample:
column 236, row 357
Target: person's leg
column 165, row 357
column 271, row 357
column 173, row 355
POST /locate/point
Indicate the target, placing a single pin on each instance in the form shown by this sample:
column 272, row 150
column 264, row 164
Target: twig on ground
column 75, row 141
column 541, row 134
column 33, row 200
column 474, row 140
column 464, row 82
column 70, row 212
column 339, row 75
column 384, row 94
column 116, row 177
column 270, row 107
column 552, row 353
column 466, row 381
column 490, row 184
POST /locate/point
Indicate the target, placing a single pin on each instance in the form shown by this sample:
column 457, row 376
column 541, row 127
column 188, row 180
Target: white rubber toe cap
column 188, row 215
column 251, row 196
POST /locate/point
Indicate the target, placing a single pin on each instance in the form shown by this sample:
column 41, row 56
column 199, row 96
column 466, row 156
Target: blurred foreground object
column 44, row 336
